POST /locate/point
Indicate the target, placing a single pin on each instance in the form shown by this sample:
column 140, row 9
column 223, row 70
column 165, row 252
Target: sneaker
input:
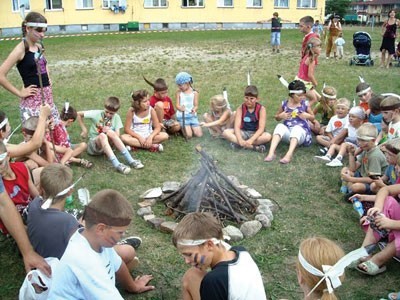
column 234, row 146
column 136, row 164
column 133, row 241
column 277, row 51
column 260, row 148
column 123, row 169
column 323, row 158
column 156, row 148
column 335, row 163
column 323, row 150
column 128, row 148
column 344, row 189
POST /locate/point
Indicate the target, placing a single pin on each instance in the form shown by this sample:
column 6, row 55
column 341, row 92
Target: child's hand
column 105, row 129
column 373, row 211
column 346, row 177
column 202, row 124
column 28, row 91
column 358, row 196
column 285, row 115
column 45, row 110
column 182, row 108
column 350, row 148
column 383, row 222
column 141, row 284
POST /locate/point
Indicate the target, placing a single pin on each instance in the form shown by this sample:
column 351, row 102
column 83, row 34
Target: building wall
column 174, row 16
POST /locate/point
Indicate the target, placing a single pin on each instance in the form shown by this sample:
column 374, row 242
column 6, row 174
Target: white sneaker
column 322, row 158
column 123, row 169
column 335, row 163
column 136, row 164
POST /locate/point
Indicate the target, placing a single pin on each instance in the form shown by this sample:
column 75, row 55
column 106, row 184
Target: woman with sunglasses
column 28, row 57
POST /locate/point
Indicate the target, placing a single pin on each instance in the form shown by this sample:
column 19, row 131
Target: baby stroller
column 362, row 44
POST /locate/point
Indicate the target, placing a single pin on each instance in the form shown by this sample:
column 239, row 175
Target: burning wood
column 210, row 190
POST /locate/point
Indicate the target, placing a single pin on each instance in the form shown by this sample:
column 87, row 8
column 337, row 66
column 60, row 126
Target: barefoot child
column 220, row 116
column 142, row 128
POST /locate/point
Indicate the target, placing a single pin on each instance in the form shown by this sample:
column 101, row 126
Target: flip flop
column 372, row 268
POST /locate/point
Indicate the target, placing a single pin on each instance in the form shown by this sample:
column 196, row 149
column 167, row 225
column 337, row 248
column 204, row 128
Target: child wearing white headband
column 234, row 274
column 364, row 93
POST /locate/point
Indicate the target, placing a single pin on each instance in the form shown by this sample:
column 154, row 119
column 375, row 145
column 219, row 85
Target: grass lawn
column 86, row 70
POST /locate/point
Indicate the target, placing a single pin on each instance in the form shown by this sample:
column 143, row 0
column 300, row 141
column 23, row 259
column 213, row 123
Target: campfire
column 210, row 190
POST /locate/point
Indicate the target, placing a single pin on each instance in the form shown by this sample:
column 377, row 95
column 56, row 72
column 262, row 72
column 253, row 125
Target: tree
column 339, row 7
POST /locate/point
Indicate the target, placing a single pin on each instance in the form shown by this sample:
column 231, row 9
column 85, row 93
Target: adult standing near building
column 389, row 36
column 334, row 28
column 276, row 26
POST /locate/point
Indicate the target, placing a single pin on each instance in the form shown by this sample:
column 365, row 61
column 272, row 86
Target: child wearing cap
column 370, row 163
column 234, row 274
column 335, row 131
column 163, row 106
column 355, row 120
column 90, row 265
column 187, row 103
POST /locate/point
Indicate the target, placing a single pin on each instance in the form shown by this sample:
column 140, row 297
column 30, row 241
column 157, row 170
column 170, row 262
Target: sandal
column 370, row 268
column 85, row 163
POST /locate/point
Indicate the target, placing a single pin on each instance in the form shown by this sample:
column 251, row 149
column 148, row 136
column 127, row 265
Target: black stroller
column 362, row 44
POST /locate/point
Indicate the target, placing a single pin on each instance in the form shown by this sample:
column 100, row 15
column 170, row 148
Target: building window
column 16, row 4
column 53, row 4
column 62, row 28
column 84, row 28
column 155, row 3
column 254, row 3
column 306, row 3
column 192, row 3
column 114, row 3
column 281, row 3
column 225, row 3
column 106, row 26
column 81, row 4
column 165, row 25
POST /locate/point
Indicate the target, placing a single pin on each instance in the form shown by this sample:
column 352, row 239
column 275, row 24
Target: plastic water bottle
column 357, row 205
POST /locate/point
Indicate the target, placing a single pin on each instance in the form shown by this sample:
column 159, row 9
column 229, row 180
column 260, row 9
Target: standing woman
column 25, row 56
column 389, row 36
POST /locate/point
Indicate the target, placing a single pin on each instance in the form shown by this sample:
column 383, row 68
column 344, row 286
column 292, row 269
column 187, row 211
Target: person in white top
column 339, row 45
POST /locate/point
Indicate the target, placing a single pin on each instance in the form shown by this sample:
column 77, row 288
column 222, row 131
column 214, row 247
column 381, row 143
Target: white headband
column 331, row 274
column 33, row 24
column 296, row 92
column 4, row 123
column 328, row 96
column 365, row 137
column 364, row 91
column 184, row 242
column 49, row 201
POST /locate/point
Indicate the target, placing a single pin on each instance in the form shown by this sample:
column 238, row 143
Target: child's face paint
column 194, row 256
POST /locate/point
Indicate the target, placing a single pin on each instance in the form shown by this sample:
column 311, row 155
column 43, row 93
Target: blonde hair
column 197, row 226
column 318, row 251
column 218, row 102
column 390, row 103
column 343, row 101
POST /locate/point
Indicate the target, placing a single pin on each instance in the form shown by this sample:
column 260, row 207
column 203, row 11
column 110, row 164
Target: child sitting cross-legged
column 355, row 120
column 142, row 128
column 249, row 125
column 336, row 131
column 104, row 132
column 90, row 265
column 234, row 274
column 371, row 162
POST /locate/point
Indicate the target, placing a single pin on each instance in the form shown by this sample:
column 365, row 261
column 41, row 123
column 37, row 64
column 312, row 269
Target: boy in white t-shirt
column 335, row 131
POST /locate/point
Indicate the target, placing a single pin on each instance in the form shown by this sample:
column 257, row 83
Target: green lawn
column 86, row 70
